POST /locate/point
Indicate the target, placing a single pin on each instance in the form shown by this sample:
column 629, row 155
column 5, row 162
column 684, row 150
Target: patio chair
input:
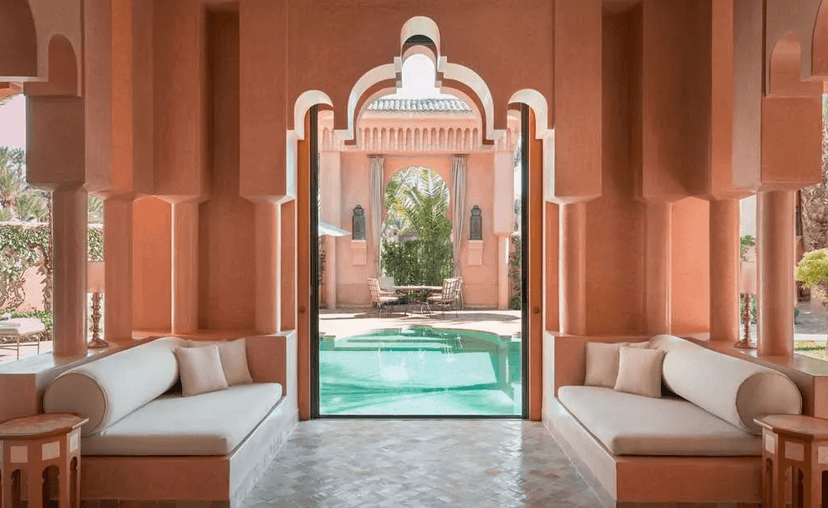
column 449, row 296
column 380, row 298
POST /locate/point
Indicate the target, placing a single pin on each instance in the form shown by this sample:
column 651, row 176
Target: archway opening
column 424, row 190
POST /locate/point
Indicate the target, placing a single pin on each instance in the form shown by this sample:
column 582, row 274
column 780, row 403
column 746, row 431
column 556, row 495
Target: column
column 118, row 260
column 267, row 267
column 69, row 223
column 573, row 269
column 724, row 270
column 504, row 285
column 658, row 267
column 775, row 265
column 184, row 266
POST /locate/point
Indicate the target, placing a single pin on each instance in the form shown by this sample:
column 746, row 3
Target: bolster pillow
column 735, row 390
column 110, row 388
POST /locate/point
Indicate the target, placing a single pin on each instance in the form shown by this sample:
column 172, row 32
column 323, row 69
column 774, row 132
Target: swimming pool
column 420, row 370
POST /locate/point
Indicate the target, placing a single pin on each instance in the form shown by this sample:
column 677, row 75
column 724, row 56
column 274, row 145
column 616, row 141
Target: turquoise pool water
column 420, row 370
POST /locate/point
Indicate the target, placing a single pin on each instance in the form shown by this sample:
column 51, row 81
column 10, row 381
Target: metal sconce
column 475, row 224
column 358, row 224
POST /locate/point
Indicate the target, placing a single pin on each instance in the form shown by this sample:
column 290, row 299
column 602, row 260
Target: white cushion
column 639, row 371
column 208, row 424
column 602, row 362
column 733, row 389
column 200, row 370
column 110, row 388
column 233, row 354
column 628, row 424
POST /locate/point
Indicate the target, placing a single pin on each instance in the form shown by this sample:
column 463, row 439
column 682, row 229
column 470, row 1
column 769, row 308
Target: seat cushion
column 208, row 424
column 630, row 424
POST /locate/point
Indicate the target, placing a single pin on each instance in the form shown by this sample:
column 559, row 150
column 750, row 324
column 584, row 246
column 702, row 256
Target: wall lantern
column 475, row 224
column 358, row 224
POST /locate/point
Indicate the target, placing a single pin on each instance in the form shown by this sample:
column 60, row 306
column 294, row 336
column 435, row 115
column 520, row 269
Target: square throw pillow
column 200, row 370
column 233, row 356
column 639, row 371
column 601, row 364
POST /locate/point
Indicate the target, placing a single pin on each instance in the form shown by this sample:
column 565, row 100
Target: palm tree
column 12, row 177
column 417, row 201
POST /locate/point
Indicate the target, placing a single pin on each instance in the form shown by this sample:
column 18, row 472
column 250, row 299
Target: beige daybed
column 146, row 442
column 698, row 445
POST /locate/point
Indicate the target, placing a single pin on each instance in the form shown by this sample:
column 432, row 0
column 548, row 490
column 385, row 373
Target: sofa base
column 211, row 481
column 633, row 481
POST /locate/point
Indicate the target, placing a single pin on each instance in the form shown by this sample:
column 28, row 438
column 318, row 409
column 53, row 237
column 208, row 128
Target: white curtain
column 377, row 200
column 458, row 178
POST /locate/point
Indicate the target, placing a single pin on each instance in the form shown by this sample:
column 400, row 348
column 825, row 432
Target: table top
column 418, row 288
column 804, row 427
column 41, row 425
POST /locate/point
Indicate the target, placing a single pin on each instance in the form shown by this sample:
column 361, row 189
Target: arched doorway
column 374, row 141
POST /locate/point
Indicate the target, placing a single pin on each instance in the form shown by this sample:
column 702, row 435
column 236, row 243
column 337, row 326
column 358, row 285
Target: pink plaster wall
column 616, row 220
column 690, row 295
column 152, row 264
column 226, row 221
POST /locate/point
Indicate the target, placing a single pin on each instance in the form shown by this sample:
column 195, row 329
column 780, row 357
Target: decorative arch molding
column 18, row 38
column 62, row 73
column 303, row 104
column 537, row 102
column 785, row 73
column 367, row 83
column 421, row 25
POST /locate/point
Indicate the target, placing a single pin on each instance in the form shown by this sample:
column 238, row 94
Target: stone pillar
column 69, row 223
column 118, row 259
column 267, row 267
column 184, row 266
column 503, row 283
column 330, row 211
column 573, row 269
column 724, row 270
column 775, row 266
column 658, row 267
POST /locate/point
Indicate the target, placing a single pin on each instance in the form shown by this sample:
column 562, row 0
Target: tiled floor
column 421, row 463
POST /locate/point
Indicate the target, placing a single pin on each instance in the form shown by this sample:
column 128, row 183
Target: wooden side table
column 32, row 445
column 794, row 457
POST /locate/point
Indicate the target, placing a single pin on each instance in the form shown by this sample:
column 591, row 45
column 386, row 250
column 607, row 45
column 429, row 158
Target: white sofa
column 146, row 442
column 697, row 444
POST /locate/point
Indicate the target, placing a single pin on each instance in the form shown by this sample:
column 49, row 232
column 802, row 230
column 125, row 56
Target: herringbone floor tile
column 421, row 463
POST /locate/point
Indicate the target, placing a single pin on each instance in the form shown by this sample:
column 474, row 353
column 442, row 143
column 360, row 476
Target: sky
column 418, row 79
column 13, row 122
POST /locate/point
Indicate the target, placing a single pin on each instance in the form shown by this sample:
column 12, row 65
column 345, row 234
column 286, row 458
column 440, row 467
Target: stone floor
column 421, row 463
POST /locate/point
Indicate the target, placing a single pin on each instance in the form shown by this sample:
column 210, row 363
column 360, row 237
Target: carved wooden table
column 32, row 445
column 799, row 444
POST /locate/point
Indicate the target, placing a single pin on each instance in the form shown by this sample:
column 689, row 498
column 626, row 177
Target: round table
column 33, row 444
column 408, row 291
column 798, row 443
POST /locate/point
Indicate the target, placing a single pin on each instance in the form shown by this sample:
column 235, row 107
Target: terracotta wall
column 690, row 283
column 226, row 221
column 152, row 264
column 480, row 281
column 616, row 220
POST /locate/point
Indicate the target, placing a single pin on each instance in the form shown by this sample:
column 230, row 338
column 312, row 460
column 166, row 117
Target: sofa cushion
column 639, row 371
column 208, row 424
column 233, row 354
column 200, row 370
column 107, row 389
column 733, row 389
column 601, row 364
column 630, row 424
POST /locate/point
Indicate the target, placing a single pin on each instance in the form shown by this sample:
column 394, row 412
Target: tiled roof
column 420, row 105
